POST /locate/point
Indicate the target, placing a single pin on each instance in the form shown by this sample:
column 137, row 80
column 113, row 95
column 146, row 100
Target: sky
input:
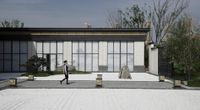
column 71, row 13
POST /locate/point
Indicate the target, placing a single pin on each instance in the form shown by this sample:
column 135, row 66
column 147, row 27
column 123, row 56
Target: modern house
column 88, row 49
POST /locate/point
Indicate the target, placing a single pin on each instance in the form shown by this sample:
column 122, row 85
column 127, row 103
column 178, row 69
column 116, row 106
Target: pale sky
column 70, row 13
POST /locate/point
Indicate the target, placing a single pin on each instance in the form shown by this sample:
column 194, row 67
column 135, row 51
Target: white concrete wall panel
column 103, row 53
column 153, row 60
column 68, row 51
column 139, row 53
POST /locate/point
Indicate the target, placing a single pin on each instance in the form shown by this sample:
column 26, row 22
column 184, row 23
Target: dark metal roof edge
column 74, row 29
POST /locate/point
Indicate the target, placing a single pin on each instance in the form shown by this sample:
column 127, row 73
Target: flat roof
column 74, row 29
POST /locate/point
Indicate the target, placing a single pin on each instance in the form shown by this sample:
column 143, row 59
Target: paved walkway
column 87, row 81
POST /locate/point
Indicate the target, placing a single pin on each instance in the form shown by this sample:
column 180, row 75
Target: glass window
column 46, row 47
column 81, row 62
column 75, row 47
column 23, row 60
column 60, row 47
column 39, row 47
column 116, row 62
column 110, row 47
column 53, row 47
column 7, row 47
column 53, row 62
column 1, row 62
column 88, row 47
column 116, row 47
column 123, row 47
column 110, row 62
column 75, row 61
column 95, row 62
column 15, row 46
column 130, row 47
column 7, row 62
column 95, row 47
column 130, row 62
column 39, row 55
column 81, row 47
column 123, row 60
column 1, row 46
column 59, row 60
column 15, row 64
column 23, row 47
column 88, row 62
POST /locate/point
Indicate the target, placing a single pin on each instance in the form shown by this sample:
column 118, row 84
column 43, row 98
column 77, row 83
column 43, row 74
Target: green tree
column 35, row 64
column 182, row 47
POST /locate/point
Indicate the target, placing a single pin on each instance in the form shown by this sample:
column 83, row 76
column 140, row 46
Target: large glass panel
column 7, row 47
column 53, row 47
column 95, row 47
column 60, row 47
column 1, row 46
column 53, row 63
column 1, row 62
column 39, row 47
column 15, row 63
column 7, row 62
column 123, row 47
column 81, row 47
column 116, row 62
column 130, row 47
column 130, row 62
column 23, row 60
column 116, row 47
column 110, row 62
column 23, row 47
column 110, row 47
column 123, row 60
column 15, row 46
column 95, row 62
column 88, row 47
column 75, row 61
column 88, row 62
column 59, row 60
column 81, row 62
column 75, row 47
column 46, row 47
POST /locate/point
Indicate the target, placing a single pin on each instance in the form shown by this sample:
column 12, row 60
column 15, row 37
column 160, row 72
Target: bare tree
column 115, row 19
column 164, row 14
column 131, row 17
column 12, row 24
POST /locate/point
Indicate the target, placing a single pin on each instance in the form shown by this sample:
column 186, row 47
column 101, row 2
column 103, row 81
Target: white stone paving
column 99, row 99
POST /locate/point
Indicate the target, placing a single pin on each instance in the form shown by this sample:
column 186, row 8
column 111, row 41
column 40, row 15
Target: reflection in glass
column 15, row 63
column 39, row 47
column 130, row 62
column 116, row 47
column 110, row 47
column 59, row 60
column 116, row 62
column 88, row 47
column 123, row 60
column 60, row 47
column 75, row 47
column 53, row 47
column 23, row 60
column 95, row 47
column 23, row 47
column 7, row 62
column 130, row 47
column 81, row 62
column 95, row 62
column 7, row 47
column 15, row 47
column 88, row 62
column 75, row 61
column 110, row 62
column 123, row 47
column 46, row 47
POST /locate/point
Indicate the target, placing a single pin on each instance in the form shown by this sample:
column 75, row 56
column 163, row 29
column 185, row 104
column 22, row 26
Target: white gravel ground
column 99, row 99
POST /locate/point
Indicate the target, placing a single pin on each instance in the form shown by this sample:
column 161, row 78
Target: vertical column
column 103, row 65
column 67, row 53
column 139, row 57
column 31, row 48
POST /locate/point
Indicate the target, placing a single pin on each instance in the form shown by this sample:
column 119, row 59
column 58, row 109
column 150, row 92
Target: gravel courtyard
column 99, row 99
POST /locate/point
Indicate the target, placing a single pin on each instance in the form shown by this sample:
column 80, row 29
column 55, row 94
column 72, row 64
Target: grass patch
column 48, row 73
column 194, row 82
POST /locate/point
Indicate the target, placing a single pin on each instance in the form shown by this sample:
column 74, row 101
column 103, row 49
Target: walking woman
column 66, row 73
